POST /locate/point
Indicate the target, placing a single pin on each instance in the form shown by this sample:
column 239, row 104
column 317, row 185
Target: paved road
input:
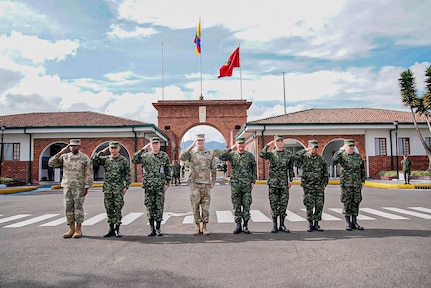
column 393, row 251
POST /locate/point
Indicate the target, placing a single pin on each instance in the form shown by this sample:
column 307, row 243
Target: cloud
column 119, row 32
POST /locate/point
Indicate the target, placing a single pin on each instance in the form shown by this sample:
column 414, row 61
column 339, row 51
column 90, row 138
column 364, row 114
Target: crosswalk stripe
column 31, row 221
column 383, row 214
column 421, row 209
column 129, row 218
column 294, row 217
column 360, row 216
column 55, row 222
column 225, row 217
column 258, row 216
column 189, row 219
column 93, row 220
column 407, row 212
column 326, row 216
column 15, row 217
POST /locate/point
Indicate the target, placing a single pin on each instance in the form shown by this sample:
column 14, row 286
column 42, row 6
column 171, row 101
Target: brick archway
column 175, row 118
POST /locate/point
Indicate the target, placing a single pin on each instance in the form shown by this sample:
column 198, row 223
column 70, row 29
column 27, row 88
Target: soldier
column 176, row 167
column 156, row 176
column 201, row 180
column 115, row 185
column 242, row 182
column 407, row 164
column 314, row 179
column 280, row 180
column 352, row 181
column 77, row 178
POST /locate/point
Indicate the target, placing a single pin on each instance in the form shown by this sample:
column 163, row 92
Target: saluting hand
column 62, row 151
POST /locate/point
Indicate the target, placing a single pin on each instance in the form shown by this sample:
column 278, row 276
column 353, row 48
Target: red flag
column 231, row 62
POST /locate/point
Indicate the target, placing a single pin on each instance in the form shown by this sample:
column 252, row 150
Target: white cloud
column 118, row 31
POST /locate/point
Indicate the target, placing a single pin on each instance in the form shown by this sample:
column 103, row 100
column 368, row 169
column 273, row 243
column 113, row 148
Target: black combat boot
column 317, row 226
column 110, row 232
column 117, row 230
column 282, row 227
column 152, row 228
column 237, row 229
column 348, row 223
column 274, row 226
column 355, row 224
column 310, row 226
column 245, row 227
column 158, row 231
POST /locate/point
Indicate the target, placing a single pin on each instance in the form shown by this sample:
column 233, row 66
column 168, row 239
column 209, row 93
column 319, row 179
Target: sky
column 118, row 57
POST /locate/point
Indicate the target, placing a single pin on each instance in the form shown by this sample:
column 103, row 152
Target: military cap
column 349, row 142
column 313, row 143
column 154, row 139
column 278, row 137
column 75, row 142
column 240, row 140
column 114, row 144
column 200, row 136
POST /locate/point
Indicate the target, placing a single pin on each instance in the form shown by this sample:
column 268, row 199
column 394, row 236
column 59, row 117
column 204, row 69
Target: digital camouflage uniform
column 314, row 178
column 202, row 176
column 77, row 175
column 176, row 173
column 117, row 177
column 243, row 175
column 407, row 164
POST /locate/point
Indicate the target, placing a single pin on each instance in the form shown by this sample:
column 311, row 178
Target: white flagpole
column 200, row 55
column 163, row 78
column 240, row 70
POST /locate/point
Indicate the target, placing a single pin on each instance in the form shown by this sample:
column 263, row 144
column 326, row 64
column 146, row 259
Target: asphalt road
column 389, row 253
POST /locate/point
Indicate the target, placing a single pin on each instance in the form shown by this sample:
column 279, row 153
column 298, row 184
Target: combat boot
column 152, row 228
column 317, row 226
column 158, row 230
column 348, row 223
column 110, row 232
column 78, row 231
column 117, row 230
column 310, row 226
column 355, row 224
column 197, row 229
column 237, row 229
column 204, row 229
column 71, row 231
column 282, row 227
column 274, row 225
column 245, row 227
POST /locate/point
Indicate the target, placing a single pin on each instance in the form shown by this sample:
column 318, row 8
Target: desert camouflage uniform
column 352, row 177
column 280, row 173
column 243, row 175
column 117, row 177
column 314, row 178
column 77, row 175
column 156, row 174
column 202, row 176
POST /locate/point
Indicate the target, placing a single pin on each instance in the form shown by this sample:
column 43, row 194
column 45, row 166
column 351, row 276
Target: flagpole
column 163, row 77
column 240, row 72
column 200, row 55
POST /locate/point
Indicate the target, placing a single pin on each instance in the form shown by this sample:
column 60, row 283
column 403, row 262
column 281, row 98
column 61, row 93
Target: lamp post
column 396, row 146
column 1, row 152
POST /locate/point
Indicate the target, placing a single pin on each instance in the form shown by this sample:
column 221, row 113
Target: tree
column 418, row 105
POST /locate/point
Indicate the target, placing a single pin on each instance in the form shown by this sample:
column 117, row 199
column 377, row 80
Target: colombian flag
column 197, row 40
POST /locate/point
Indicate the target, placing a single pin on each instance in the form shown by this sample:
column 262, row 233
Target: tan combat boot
column 71, row 231
column 197, row 229
column 78, row 231
column 204, row 229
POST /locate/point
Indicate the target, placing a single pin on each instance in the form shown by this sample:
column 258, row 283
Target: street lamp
column 396, row 146
column 1, row 153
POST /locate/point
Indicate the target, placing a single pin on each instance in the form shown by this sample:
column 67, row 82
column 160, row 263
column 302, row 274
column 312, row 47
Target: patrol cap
column 313, row 143
column 154, row 139
column 75, row 142
column 349, row 142
column 200, row 136
column 278, row 137
column 240, row 140
column 114, row 144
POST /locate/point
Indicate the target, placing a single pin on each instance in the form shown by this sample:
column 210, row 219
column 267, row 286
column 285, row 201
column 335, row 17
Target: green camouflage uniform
column 117, row 177
column 202, row 176
column 176, row 173
column 407, row 164
column 243, row 175
column 156, row 173
column 352, row 177
column 77, row 175
column 280, row 173
column 314, row 178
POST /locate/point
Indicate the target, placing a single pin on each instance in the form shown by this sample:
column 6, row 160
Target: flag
column 231, row 62
column 197, row 39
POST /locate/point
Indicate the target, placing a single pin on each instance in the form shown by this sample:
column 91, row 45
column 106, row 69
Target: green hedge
column 394, row 173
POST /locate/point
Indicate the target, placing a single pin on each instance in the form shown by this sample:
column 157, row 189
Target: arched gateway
column 175, row 118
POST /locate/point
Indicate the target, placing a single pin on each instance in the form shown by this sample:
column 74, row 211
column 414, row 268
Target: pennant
column 231, row 62
column 197, row 39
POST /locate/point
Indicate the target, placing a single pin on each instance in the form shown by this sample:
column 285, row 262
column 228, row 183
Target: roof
column 67, row 119
column 341, row 116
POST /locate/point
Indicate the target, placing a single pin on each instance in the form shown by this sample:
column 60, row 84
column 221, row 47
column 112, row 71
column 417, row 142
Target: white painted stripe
column 166, row 217
column 383, row 214
column 258, row 216
column 55, row 222
column 15, row 217
column 93, row 220
column 294, row 217
column 31, row 221
column 225, row 217
column 129, row 218
column 326, row 217
column 360, row 216
column 422, row 209
column 189, row 219
column 407, row 212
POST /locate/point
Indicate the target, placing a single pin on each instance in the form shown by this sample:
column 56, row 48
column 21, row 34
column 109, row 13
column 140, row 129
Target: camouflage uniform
column 176, row 173
column 202, row 176
column 117, row 177
column 313, row 181
column 156, row 174
column 77, row 175
column 406, row 163
column 243, row 175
